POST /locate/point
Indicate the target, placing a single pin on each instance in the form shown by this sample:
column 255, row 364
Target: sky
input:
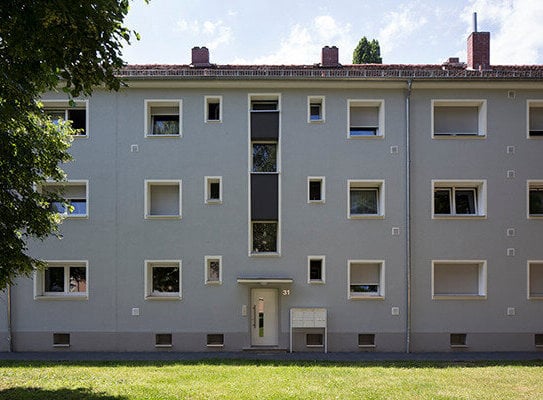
column 294, row 31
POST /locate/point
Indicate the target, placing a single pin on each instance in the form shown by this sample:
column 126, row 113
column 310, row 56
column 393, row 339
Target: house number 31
column 285, row 292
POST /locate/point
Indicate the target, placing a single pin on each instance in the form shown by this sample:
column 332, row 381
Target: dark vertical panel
column 264, row 197
column 265, row 125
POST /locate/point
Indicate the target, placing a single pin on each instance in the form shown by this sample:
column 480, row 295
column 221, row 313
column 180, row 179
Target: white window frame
column 370, row 103
column 480, row 201
column 320, row 179
column 532, row 103
column 377, row 184
column 481, row 124
column 148, row 281
column 323, row 270
column 536, row 296
column 71, row 182
column 380, row 295
column 209, row 100
column 208, row 180
column 207, row 260
column 532, row 184
column 148, row 103
column 316, row 99
column 482, row 281
column 65, row 105
column 147, row 201
column 39, row 281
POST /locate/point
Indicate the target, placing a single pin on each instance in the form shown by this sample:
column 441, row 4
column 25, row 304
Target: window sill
column 271, row 254
column 213, row 202
column 458, row 297
column 62, row 297
column 535, row 296
column 466, row 216
column 316, row 121
column 366, row 216
column 215, row 345
column 316, row 282
column 61, row 345
column 366, row 346
column 535, row 216
column 80, row 136
column 315, row 202
column 213, row 283
column 314, row 345
column 163, row 217
column 370, row 137
column 458, row 136
column 459, row 346
column 213, row 121
column 163, row 346
column 366, row 297
column 76, row 216
column 164, row 136
column 164, row 298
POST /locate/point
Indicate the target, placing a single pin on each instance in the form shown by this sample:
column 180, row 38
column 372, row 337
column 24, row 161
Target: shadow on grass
column 24, row 393
column 412, row 364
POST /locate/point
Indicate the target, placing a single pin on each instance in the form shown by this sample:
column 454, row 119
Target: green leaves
column 367, row 52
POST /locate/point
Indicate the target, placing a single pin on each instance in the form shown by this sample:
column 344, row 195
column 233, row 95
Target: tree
column 45, row 45
column 367, row 52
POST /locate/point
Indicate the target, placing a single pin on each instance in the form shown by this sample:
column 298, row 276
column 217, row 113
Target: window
column 458, row 340
column 535, row 118
column 75, row 194
column 535, row 279
column 213, row 190
column 458, row 280
column 213, row 270
column 62, row 280
column 264, row 237
column 366, row 199
column 314, row 340
column 315, row 269
column 61, row 340
column 535, row 199
column 163, row 118
column 366, row 279
column 163, row 279
column 163, row 340
column 315, row 189
column 264, row 157
column 315, row 109
column 63, row 110
column 162, row 199
column 366, row 340
column 215, row 340
column 263, row 103
column 458, row 118
column 213, row 108
column 366, row 118
column 458, row 199
column 538, row 340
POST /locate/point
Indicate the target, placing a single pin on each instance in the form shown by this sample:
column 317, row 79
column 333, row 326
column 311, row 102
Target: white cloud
column 400, row 25
column 516, row 31
column 208, row 33
column 303, row 44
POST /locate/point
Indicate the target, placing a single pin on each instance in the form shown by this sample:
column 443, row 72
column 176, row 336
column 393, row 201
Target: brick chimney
column 200, row 57
column 330, row 56
column 478, row 48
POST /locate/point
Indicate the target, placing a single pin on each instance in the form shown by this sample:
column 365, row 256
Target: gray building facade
column 311, row 208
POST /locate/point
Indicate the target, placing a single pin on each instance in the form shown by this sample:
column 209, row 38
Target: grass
column 237, row 379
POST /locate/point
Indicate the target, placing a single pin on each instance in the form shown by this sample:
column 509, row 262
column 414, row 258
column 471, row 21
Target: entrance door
column 264, row 321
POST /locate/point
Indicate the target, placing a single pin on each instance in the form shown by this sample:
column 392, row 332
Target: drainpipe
column 10, row 336
column 408, row 215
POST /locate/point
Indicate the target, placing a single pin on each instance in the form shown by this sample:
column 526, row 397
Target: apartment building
column 319, row 207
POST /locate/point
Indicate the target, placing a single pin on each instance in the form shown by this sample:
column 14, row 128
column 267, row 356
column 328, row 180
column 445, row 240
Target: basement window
column 163, row 340
column 366, row 340
column 61, row 340
column 538, row 340
column 458, row 340
column 215, row 340
column 314, row 340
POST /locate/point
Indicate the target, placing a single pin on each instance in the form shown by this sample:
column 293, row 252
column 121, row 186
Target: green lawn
column 233, row 379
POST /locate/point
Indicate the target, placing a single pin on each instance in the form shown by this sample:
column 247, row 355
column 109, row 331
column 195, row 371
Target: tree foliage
column 45, row 45
column 367, row 52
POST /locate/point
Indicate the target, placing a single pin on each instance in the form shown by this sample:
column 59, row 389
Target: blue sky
column 294, row 31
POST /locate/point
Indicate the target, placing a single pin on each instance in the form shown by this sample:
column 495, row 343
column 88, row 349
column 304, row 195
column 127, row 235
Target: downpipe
column 408, row 214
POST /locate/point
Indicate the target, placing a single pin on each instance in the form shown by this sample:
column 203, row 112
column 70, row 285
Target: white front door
column 264, row 321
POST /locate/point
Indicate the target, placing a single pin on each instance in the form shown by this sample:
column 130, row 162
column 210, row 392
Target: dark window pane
column 362, row 131
column 58, row 207
column 78, row 118
column 78, row 279
column 213, row 271
column 536, row 201
column 166, row 279
column 165, row 124
column 315, row 190
column 79, row 207
column 314, row 339
column 315, row 112
column 465, row 201
column 214, row 191
column 442, row 201
column 366, row 339
column 265, row 105
column 364, row 288
column 363, row 201
column 54, row 279
column 264, row 157
column 264, row 237
column 315, row 270
column 213, row 111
